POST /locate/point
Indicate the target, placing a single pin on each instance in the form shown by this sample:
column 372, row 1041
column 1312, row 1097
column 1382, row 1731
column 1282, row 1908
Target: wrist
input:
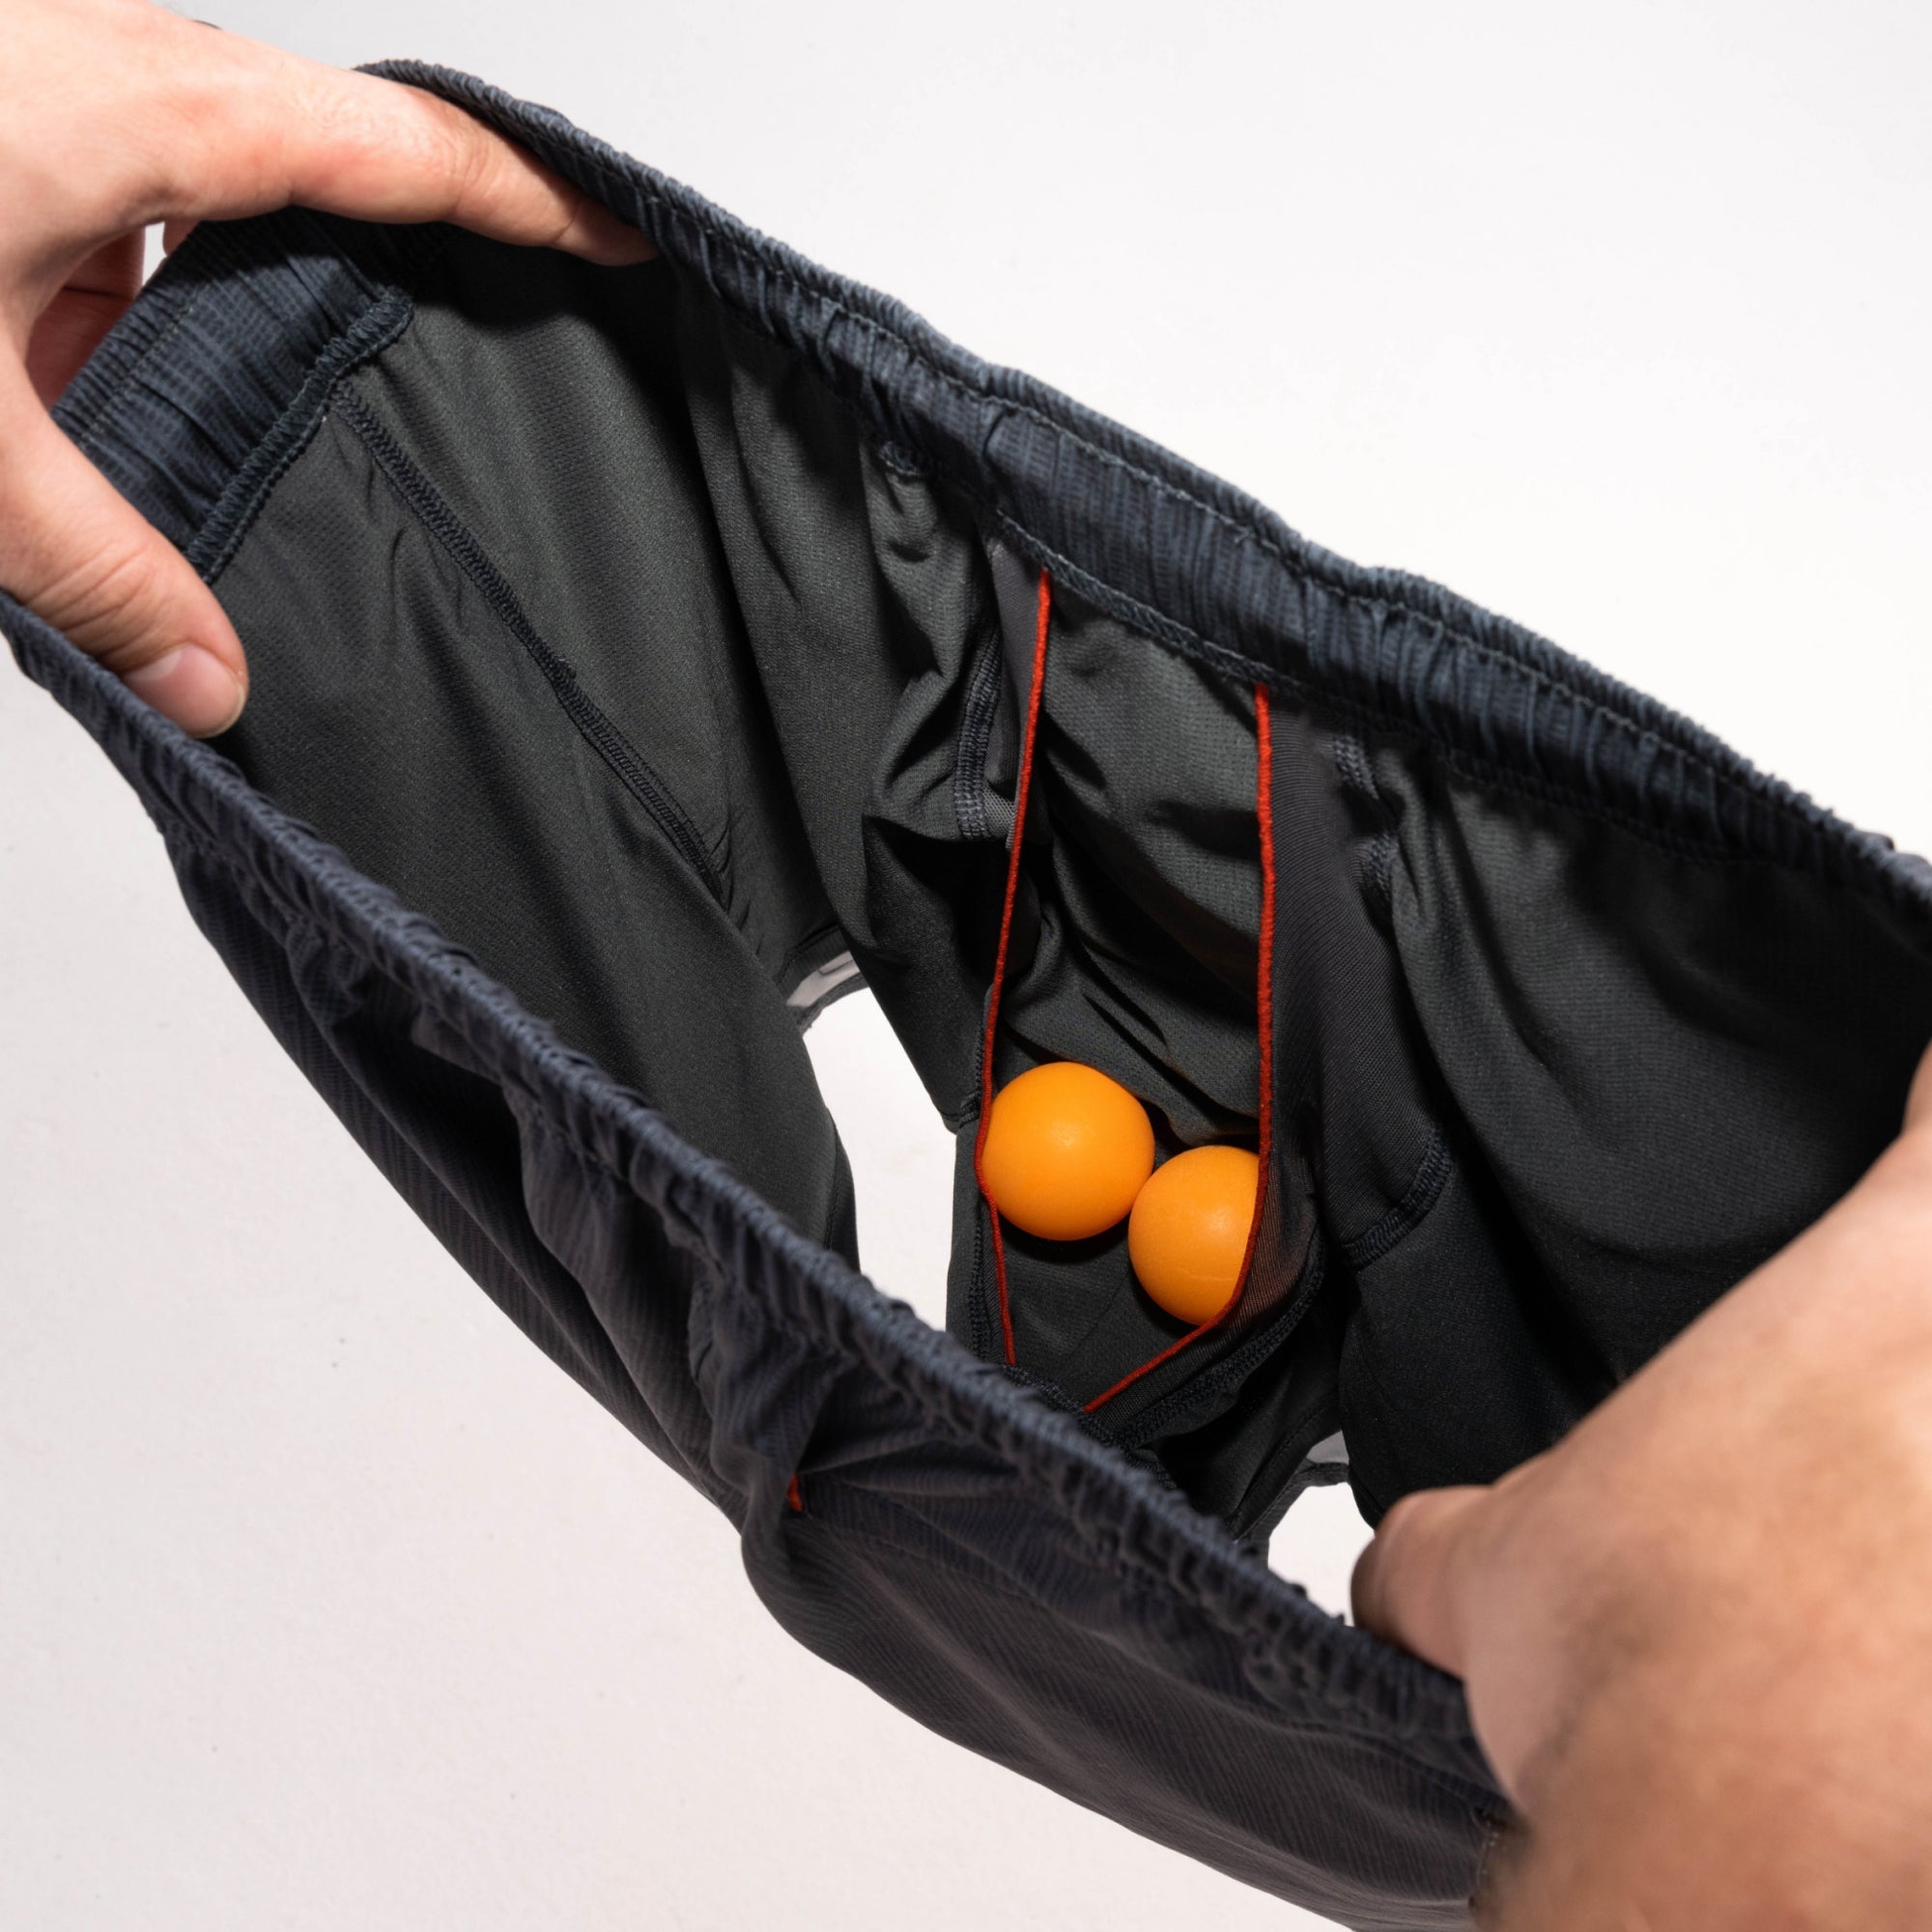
column 1711, row 1796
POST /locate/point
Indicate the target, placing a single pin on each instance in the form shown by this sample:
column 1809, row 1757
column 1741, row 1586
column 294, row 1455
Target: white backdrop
column 1614, row 319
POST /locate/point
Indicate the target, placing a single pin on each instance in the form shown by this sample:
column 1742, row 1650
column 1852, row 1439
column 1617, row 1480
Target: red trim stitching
column 794, row 1496
column 1264, row 1025
column 1021, row 793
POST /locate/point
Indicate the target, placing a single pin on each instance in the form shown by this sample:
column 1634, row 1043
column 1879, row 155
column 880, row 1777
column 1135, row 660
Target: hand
column 1696, row 1635
column 113, row 115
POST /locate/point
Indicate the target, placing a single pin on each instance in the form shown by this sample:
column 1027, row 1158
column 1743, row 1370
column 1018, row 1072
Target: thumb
column 76, row 552
column 1411, row 1584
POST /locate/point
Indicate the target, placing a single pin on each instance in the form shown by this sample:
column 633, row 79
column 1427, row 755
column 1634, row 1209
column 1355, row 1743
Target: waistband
column 212, row 385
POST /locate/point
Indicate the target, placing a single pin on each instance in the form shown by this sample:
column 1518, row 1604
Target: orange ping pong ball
column 1189, row 1234
column 1067, row 1150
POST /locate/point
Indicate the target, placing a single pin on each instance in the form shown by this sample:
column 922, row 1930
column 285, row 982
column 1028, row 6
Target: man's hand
column 1696, row 1635
column 114, row 115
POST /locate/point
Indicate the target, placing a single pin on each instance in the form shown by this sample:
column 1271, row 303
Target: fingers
column 273, row 128
column 76, row 552
column 93, row 301
column 1411, row 1582
column 141, row 116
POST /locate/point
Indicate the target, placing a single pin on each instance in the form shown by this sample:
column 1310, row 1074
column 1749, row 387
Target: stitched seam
column 1265, row 1181
column 1272, row 1335
column 976, row 1295
column 1379, row 873
column 1016, row 855
column 1425, row 1189
column 226, row 527
column 420, row 495
column 1377, row 864
column 976, row 736
column 1351, row 766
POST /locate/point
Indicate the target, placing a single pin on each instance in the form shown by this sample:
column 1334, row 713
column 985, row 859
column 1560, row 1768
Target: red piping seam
column 1022, row 792
column 1265, row 1025
column 793, row 1496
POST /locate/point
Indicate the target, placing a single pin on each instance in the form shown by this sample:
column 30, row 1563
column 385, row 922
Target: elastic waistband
column 217, row 377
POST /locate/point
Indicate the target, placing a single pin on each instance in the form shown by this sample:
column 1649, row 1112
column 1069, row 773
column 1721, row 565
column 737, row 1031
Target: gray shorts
column 642, row 657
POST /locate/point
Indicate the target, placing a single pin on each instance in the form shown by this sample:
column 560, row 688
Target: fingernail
column 191, row 685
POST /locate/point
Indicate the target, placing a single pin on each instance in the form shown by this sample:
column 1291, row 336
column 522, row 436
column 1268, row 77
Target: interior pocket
column 1136, row 934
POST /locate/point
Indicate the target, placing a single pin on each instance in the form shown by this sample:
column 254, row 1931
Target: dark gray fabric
column 566, row 490
column 1134, row 950
column 1654, row 1072
column 639, row 628
column 452, row 773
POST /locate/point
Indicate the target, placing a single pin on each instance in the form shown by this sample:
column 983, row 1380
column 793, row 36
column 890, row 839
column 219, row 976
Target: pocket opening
column 1108, row 1249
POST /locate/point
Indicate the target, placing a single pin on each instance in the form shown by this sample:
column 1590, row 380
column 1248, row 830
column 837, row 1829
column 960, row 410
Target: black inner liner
column 590, row 623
